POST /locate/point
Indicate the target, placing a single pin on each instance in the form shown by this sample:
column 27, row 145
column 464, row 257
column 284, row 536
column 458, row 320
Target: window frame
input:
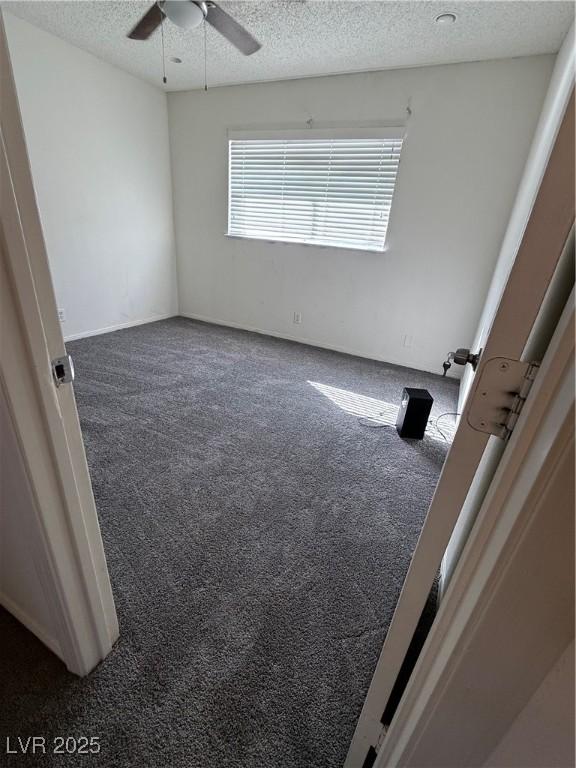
column 352, row 132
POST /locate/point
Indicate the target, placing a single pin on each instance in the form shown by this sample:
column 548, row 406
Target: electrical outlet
column 408, row 340
column 297, row 318
column 62, row 315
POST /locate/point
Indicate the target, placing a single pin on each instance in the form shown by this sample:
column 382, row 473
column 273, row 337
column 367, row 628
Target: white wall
column 99, row 150
column 468, row 137
column 557, row 96
column 543, row 733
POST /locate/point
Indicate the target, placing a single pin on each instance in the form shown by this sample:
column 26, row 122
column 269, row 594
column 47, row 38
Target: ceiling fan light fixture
column 190, row 14
column 183, row 13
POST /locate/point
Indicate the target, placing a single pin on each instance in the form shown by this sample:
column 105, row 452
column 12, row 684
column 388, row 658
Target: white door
column 61, row 591
column 547, row 230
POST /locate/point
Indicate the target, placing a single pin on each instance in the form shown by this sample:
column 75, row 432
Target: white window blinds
column 320, row 191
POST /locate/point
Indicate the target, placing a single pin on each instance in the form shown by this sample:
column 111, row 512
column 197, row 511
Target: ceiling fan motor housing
column 185, row 14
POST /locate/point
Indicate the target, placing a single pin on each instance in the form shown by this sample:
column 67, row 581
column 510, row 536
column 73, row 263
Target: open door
column 51, row 513
column 553, row 110
column 500, row 384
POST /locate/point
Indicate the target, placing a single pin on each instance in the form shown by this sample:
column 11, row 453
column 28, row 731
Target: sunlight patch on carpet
column 380, row 412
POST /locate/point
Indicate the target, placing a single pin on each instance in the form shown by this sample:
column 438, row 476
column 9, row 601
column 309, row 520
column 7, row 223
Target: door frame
column 44, row 415
column 543, row 241
column 543, row 432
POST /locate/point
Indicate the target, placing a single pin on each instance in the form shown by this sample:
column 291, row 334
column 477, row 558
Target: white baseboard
column 22, row 616
column 110, row 328
column 252, row 329
column 303, row 340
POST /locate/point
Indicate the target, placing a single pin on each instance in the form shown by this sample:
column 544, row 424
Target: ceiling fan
column 189, row 14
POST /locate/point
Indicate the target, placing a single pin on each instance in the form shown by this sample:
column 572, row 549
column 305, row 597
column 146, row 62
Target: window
column 313, row 188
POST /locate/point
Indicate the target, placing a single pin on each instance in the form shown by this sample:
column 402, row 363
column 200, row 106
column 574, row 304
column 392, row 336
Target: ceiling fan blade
column 147, row 24
column 232, row 30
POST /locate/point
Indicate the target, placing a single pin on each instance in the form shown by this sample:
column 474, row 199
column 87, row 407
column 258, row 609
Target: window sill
column 307, row 245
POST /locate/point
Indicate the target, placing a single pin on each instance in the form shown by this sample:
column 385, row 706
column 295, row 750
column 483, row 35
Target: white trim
column 535, row 449
column 119, row 326
column 34, row 627
column 308, row 342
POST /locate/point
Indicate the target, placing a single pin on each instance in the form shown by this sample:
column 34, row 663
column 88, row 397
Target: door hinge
column 63, row 370
column 499, row 395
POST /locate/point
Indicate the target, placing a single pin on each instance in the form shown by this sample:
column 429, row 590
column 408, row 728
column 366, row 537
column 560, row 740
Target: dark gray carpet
column 257, row 537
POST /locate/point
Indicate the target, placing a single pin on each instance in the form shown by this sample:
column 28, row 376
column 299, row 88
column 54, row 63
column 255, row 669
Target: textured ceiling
column 302, row 38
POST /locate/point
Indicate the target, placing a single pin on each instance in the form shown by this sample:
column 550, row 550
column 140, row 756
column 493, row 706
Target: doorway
column 341, row 400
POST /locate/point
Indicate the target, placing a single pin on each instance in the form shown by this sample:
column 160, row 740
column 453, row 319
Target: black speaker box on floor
column 414, row 412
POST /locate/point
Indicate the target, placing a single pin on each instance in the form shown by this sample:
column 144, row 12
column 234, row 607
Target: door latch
column 461, row 357
column 63, row 370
